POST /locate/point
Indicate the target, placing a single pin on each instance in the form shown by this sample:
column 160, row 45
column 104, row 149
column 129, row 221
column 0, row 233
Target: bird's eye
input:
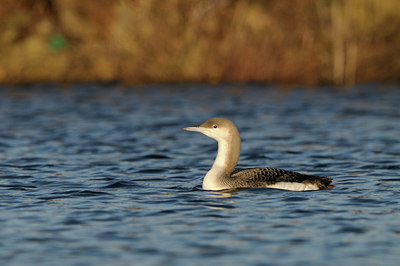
column 215, row 126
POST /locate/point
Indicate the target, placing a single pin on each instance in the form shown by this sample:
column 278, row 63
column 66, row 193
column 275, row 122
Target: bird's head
column 219, row 129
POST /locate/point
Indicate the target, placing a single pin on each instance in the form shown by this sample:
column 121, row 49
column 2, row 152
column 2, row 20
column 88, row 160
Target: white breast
column 293, row 186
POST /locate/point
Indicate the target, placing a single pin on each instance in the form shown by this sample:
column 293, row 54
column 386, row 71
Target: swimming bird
column 223, row 175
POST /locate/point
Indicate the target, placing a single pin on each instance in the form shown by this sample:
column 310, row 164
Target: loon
column 223, row 175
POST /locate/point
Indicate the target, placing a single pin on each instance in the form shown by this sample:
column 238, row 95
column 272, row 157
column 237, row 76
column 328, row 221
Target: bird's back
column 268, row 177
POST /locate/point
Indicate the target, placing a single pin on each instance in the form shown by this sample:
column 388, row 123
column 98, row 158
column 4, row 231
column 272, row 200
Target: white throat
column 224, row 164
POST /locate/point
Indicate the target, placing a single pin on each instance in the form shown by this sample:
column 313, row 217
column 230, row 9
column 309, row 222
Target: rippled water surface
column 93, row 175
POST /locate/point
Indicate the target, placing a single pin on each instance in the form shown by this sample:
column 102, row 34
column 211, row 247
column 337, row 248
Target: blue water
column 103, row 175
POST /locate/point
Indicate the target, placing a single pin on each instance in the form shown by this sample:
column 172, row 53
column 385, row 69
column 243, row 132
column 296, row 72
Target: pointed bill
column 193, row 128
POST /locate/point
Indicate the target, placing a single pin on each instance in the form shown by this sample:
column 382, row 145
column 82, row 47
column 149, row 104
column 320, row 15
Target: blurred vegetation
column 139, row 41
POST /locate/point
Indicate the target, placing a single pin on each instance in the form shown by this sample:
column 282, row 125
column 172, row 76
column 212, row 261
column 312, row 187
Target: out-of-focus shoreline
column 139, row 42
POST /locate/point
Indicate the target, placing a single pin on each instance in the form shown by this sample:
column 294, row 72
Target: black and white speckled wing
column 261, row 177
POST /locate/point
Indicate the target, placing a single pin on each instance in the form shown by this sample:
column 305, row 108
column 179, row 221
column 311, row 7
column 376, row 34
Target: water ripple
column 101, row 176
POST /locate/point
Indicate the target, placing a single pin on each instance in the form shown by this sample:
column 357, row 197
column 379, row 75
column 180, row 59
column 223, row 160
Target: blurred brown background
column 139, row 41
